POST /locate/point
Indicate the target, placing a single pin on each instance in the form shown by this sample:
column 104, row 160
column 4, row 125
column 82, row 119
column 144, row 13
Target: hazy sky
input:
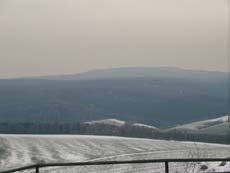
column 39, row 37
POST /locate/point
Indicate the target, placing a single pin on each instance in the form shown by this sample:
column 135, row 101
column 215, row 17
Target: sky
column 44, row 37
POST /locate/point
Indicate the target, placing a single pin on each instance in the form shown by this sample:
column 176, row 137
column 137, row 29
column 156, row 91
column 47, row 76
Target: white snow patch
column 202, row 124
column 113, row 122
column 145, row 126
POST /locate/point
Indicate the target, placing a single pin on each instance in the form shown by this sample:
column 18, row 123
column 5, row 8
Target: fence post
column 166, row 167
column 37, row 169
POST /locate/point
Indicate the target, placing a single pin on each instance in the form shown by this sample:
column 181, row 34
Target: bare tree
column 194, row 153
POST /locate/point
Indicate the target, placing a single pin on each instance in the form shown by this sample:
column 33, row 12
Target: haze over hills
column 160, row 97
column 140, row 72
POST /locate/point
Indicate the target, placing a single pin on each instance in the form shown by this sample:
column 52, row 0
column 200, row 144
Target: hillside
column 211, row 126
column 215, row 132
column 161, row 97
column 219, row 129
column 119, row 123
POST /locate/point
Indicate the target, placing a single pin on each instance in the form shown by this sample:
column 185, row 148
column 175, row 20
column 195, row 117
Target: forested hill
column 156, row 100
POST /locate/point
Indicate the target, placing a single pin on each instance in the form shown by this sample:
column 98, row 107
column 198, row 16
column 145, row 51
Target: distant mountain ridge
column 139, row 72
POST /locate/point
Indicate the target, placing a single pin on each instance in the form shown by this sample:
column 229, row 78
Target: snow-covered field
column 21, row 150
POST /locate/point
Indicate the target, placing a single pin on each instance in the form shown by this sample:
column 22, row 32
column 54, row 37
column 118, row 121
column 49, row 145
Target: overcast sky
column 39, row 37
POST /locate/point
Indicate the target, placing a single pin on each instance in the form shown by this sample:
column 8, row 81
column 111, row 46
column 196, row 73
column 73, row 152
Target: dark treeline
column 128, row 130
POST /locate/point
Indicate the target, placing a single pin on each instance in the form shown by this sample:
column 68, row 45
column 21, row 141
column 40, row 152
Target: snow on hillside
column 119, row 123
column 145, row 126
column 113, row 122
column 194, row 126
column 203, row 124
column 21, row 150
column 219, row 129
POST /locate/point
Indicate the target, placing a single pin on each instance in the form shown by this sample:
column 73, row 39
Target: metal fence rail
column 166, row 162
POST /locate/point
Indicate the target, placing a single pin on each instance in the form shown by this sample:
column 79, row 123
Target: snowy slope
column 145, row 126
column 219, row 129
column 113, row 122
column 119, row 123
column 20, row 150
column 199, row 125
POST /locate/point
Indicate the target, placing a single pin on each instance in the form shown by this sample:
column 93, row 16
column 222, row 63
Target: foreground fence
column 166, row 162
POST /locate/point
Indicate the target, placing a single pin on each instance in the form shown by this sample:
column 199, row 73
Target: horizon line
column 114, row 68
